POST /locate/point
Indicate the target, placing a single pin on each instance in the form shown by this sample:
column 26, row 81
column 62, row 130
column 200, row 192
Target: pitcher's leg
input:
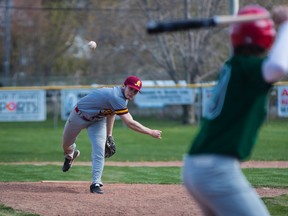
column 73, row 127
column 97, row 136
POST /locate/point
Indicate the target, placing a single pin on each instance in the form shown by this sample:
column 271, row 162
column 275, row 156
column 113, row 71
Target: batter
column 212, row 172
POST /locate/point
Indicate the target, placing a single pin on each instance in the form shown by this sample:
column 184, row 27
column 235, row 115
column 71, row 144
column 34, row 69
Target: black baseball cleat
column 68, row 162
column 96, row 188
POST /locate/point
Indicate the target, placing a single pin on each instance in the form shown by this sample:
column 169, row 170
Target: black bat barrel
column 154, row 27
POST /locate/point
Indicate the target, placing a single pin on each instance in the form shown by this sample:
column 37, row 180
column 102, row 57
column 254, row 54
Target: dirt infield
column 74, row 198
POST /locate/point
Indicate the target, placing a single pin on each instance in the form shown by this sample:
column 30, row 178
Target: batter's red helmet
column 259, row 32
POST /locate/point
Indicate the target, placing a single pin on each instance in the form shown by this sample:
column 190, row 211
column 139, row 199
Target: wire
column 74, row 9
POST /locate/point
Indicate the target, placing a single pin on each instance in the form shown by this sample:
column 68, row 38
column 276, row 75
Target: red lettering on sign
column 285, row 92
column 11, row 106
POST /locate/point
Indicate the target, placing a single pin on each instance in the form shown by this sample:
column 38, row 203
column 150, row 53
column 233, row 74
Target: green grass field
column 40, row 141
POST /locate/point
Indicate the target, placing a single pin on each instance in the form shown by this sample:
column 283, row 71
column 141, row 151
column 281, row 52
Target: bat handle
column 154, row 27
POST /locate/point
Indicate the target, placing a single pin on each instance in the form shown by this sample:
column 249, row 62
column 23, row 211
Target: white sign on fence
column 22, row 105
column 207, row 93
column 283, row 101
column 159, row 97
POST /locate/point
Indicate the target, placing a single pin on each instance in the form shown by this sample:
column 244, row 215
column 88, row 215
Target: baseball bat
column 154, row 27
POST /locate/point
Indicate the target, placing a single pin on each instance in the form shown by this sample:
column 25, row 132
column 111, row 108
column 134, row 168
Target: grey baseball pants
column 219, row 186
column 97, row 135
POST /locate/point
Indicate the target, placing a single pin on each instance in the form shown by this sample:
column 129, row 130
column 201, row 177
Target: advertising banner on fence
column 160, row 97
column 22, row 105
column 207, row 93
column 69, row 98
column 283, row 101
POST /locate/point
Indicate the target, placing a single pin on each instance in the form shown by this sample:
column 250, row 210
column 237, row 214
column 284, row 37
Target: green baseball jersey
column 236, row 110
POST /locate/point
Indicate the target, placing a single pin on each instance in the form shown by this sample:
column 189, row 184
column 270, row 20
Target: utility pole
column 6, row 44
column 233, row 7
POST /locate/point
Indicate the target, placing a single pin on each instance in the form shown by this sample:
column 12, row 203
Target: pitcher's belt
column 80, row 114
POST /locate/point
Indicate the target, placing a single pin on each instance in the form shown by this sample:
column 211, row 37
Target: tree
column 189, row 55
column 42, row 32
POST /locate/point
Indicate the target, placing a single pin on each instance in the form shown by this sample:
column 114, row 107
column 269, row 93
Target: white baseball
column 92, row 44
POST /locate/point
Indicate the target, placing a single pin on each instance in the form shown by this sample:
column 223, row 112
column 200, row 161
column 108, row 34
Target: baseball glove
column 110, row 147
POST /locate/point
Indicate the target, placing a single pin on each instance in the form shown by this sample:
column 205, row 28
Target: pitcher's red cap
column 133, row 82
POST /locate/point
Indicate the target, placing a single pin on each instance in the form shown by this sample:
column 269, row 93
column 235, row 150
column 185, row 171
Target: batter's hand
column 156, row 134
